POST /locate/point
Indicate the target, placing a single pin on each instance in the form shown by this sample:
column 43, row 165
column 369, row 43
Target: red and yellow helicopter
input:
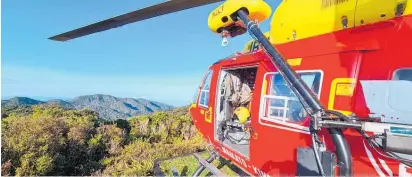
column 324, row 92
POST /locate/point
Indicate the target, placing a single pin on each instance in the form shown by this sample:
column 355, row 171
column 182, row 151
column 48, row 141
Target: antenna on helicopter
column 131, row 17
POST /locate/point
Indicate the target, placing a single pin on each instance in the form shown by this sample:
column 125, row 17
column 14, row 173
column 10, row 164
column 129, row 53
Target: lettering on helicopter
column 259, row 172
column 329, row 3
column 208, row 115
column 242, row 161
column 235, row 157
column 254, row 46
column 217, row 11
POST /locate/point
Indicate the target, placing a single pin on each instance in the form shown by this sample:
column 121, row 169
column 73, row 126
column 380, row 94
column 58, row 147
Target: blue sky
column 161, row 59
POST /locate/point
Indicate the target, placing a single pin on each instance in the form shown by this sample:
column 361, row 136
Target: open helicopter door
column 233, row 108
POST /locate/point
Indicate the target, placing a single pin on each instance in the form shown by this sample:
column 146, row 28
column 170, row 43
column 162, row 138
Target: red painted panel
column 370, row 52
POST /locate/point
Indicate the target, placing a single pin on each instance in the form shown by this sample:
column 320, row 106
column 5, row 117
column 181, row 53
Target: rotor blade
column 134, row 16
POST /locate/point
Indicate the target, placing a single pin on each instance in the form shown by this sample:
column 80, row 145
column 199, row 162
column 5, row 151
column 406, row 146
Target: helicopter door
column 233, row 108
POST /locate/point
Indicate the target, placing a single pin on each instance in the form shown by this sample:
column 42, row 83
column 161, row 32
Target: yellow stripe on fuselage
column 299, row 19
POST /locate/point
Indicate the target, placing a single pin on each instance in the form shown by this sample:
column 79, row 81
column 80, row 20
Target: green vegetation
column 51, row 140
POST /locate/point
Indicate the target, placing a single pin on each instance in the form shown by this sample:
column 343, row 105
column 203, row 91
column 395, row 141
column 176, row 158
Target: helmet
column 242, row 114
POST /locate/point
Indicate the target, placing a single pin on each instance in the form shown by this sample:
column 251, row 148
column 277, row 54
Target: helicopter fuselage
column 341, row 67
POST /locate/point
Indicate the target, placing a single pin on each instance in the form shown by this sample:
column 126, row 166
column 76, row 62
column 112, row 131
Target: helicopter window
column 281, row 103
column 204, row 93
column 403, row 74
column 195, row 96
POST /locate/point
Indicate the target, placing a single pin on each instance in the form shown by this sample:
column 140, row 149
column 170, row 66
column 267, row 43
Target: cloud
column 43, row 82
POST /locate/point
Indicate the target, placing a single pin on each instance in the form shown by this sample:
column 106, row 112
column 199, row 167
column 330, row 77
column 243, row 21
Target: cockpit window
column 204, row 92
column 403, row 74
column 195, row 96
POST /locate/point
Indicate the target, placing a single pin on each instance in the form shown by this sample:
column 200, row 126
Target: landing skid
column 203, row 164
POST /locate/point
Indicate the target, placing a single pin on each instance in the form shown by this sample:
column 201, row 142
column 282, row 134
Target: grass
column 187, row 165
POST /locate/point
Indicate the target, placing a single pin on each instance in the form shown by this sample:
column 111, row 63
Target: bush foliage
column 50, row 140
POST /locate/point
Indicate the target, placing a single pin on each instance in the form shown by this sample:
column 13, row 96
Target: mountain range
column 108, row 107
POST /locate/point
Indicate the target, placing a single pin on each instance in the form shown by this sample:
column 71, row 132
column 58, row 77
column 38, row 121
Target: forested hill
column 108, row 107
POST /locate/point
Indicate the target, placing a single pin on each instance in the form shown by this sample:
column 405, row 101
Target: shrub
column 50, row 140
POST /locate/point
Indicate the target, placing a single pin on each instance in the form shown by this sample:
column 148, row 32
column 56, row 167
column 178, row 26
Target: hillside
column 108, row 107
column 61, row 103
column 49, row 140
column 20, row 101
column 57, row 142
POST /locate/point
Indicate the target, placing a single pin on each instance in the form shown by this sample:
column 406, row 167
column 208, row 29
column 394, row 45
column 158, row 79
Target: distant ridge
column 17, row 101
column 108, row 107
